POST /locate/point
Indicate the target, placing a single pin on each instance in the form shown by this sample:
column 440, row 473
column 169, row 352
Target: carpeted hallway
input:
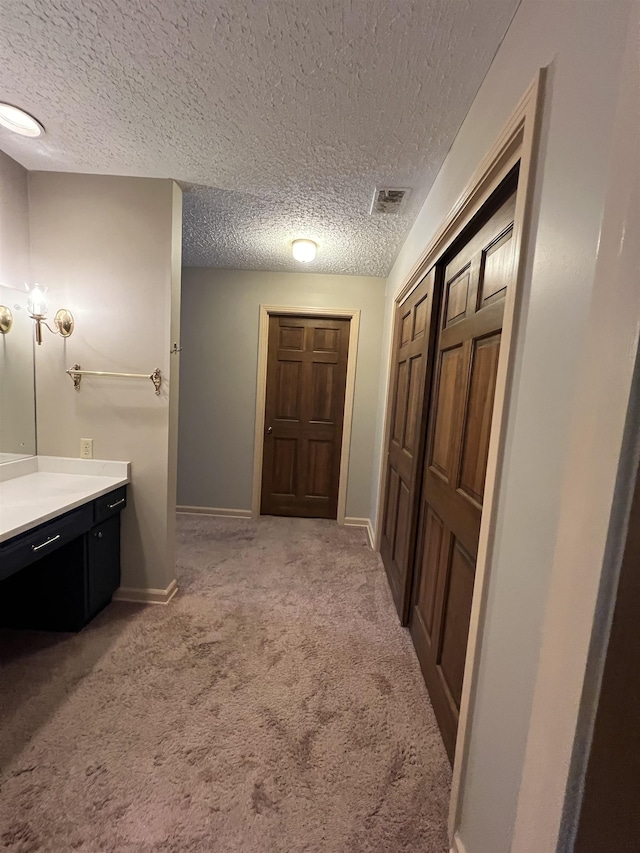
column 275, row 706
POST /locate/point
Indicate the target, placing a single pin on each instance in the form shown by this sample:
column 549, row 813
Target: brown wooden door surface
column 408, row 379
column 609, row 817
column 306, row 379
column 475, row 283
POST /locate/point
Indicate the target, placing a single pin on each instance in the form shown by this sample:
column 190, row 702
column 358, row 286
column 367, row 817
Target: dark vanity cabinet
column 59, row 575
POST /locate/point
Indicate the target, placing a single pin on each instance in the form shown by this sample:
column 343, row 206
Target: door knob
column 269, row 430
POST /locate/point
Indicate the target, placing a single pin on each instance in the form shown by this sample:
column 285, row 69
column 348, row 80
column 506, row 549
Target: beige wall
column 590, row 541
column 17, row 410
column 582, row 43
column 108, row 248
column 220, row 311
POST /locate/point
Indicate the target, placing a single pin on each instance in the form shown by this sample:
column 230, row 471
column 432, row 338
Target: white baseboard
column 457, row 846
column 146, row 596
column 362, row 522
column 371, row 534
column 223, row 512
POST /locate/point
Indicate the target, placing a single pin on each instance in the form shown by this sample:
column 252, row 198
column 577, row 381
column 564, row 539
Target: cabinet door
column 50, row 594
column 103, row 563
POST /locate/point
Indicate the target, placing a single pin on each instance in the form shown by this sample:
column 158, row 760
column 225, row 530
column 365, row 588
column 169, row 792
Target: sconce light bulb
column 36, row 303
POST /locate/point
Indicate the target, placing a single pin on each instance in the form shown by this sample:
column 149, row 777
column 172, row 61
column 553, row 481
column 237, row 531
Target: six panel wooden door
column 475, row 283
column 408, row 379
column 306, row 379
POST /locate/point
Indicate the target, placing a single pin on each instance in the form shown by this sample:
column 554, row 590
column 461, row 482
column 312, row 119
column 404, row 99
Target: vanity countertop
column 40, row 488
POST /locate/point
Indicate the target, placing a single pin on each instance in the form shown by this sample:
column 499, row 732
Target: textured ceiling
column 278, row 117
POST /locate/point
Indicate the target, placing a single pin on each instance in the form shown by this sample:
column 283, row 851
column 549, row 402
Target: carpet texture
column 276, row 706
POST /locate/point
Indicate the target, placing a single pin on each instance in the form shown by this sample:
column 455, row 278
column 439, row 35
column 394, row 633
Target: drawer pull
column 44, row 544
column 117, row 503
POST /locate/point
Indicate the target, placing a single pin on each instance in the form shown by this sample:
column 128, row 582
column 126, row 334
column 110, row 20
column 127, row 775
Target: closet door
column 475, row 283
column 407, row 395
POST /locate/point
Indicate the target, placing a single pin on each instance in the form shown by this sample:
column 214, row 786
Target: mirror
column 17, row 386
column 17, row 404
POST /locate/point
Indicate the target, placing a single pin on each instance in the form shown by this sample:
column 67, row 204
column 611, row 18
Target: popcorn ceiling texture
column 278, row 117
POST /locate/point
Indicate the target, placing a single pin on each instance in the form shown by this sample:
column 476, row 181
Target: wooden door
column 609, row 816
column 304, row 411
column 474, row 284
column 408, row 378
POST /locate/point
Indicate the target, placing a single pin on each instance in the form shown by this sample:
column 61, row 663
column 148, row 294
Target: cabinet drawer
column 43, row 540
column 110, row 504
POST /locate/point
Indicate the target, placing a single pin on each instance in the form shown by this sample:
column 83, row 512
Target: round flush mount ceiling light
column 304, row 250
column 18, row 121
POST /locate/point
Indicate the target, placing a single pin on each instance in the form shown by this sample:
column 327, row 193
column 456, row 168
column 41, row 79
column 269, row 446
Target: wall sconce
column 37, row 306
column 6, row 319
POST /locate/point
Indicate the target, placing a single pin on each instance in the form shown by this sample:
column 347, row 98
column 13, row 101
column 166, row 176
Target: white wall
column 590, row 542
column 108, row 248
column 582, row 43
column 17, row 404
column 220, row 310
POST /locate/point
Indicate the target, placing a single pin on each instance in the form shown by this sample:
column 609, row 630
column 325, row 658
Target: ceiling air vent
column 387, row 200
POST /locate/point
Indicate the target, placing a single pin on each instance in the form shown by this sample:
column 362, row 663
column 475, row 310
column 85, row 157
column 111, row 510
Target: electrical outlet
column 86, row 448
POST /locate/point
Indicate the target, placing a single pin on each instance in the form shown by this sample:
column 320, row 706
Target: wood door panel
column 304, row 410
column 496, row 268
column 421, row 314
column 283, row 477
column 431, row 542
column 476, row 273
column 475, row 445
column 455, row 621
column 457, row 295
column 400, row 411
column 291, row 338
column 326, row 340
column 320, row 461
column 322, row 399
column 406, row 329
column 402, row 524
column 448, row 382
column 391, row 513
column 414, row 398
column 289, row 391
column 405, row 450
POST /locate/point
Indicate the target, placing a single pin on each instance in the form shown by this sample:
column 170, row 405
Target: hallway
column 276, row 706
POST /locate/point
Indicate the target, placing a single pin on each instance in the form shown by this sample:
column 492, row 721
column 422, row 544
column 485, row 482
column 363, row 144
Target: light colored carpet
column 275, row 707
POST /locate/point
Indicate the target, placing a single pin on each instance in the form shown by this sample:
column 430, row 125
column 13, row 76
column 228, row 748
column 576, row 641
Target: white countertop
column 40, row 488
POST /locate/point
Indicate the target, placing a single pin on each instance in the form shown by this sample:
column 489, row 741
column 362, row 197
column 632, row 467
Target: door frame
column 267, row 311
column 518, row 142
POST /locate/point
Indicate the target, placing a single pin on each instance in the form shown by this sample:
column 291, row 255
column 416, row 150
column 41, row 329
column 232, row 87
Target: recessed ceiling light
column 304, row 250
column 19, row 122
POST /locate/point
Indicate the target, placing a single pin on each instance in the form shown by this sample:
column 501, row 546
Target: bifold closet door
column 407, row 397
column 475, row 283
